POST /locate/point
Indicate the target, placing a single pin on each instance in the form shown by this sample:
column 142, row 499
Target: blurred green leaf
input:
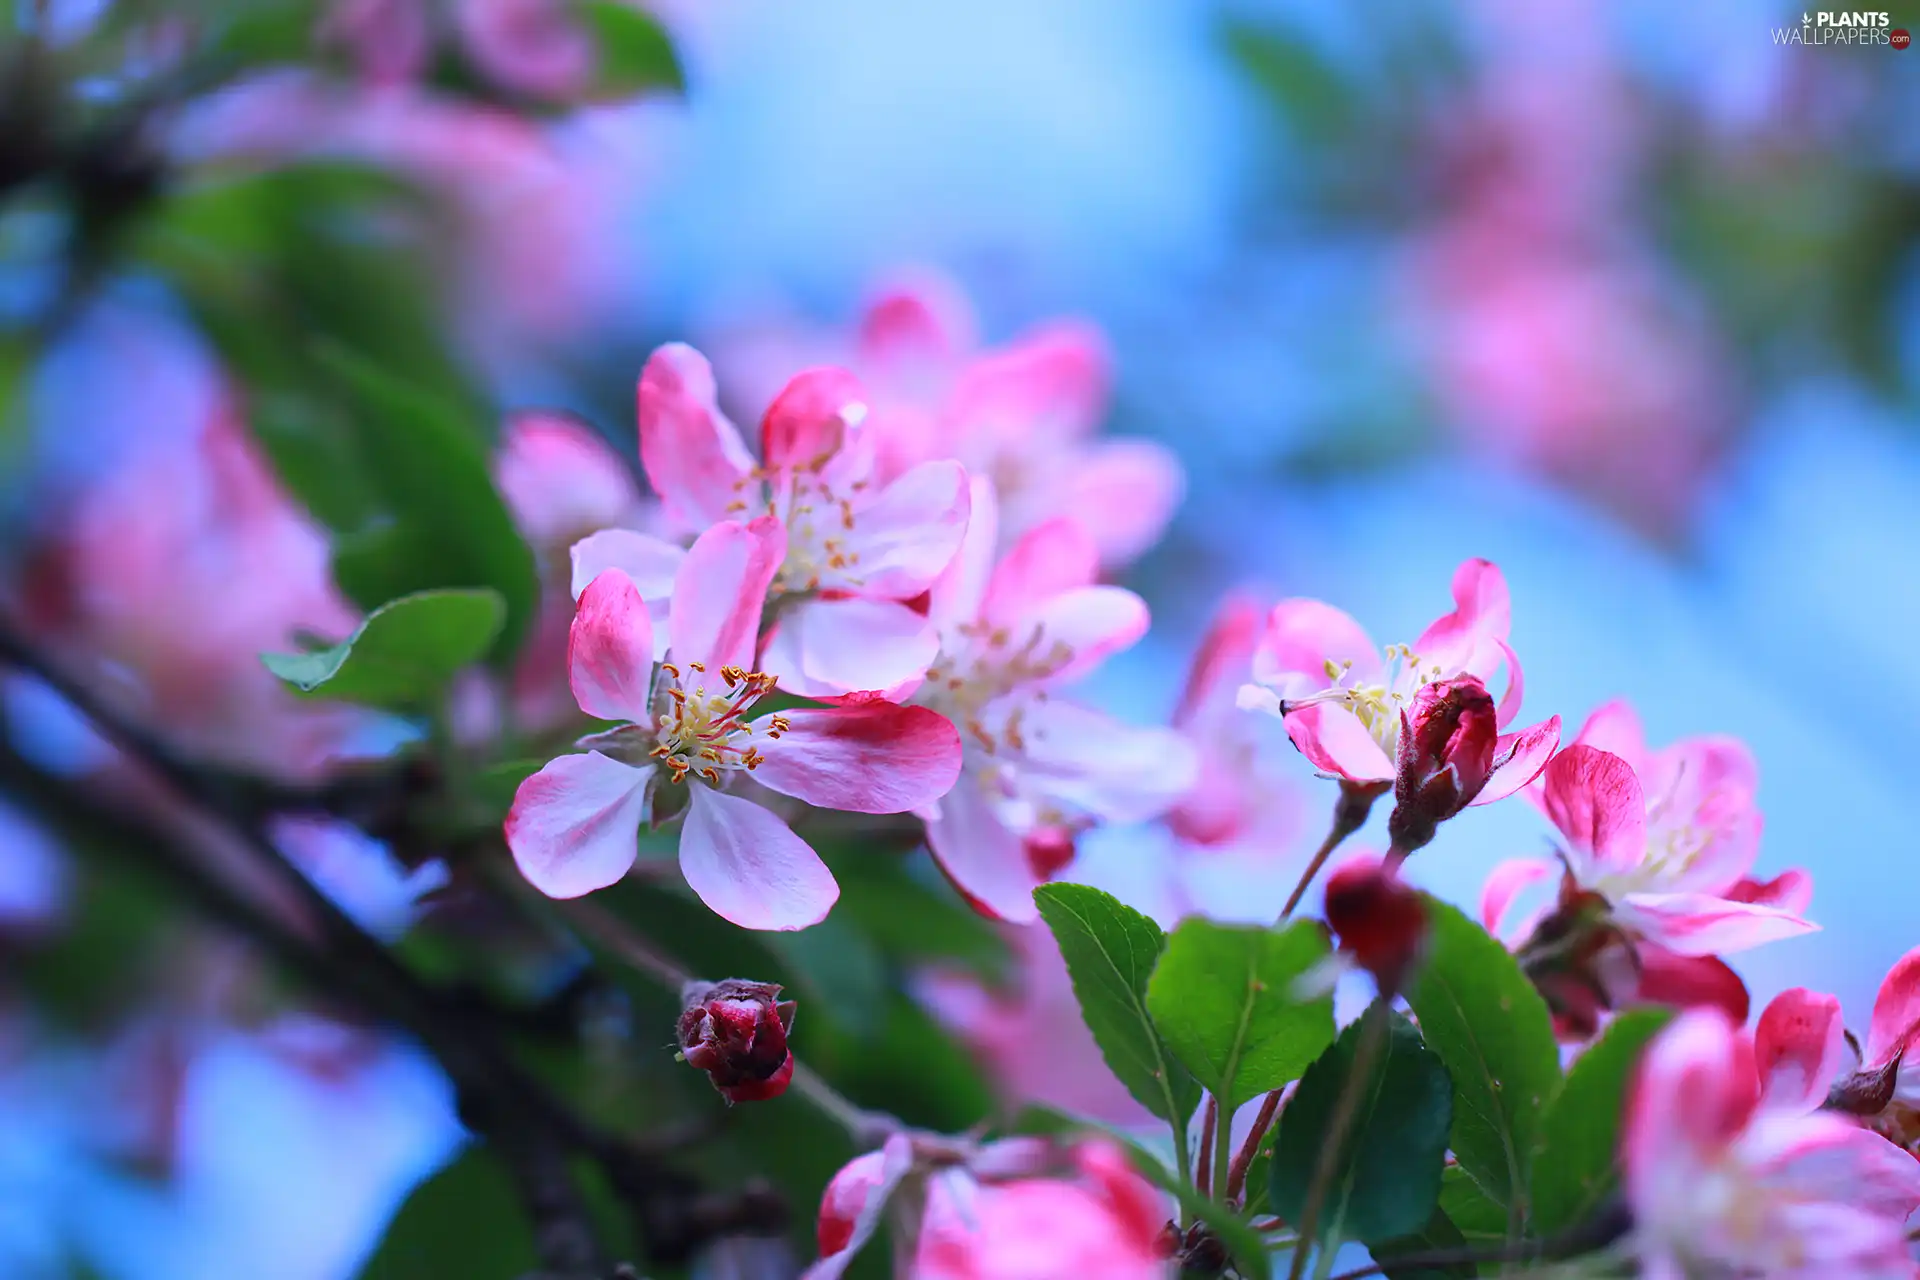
column 1387, row 1175
column 915, row 923
column 1576, row 1166
column 1222, row 997
column 404, row 653
column 463, row 1223
column 1111, row 950
column 1439, row 1235
column 841, row 970
column 1480, row 1014
column 636, row 54
column 495, row 786
column 1316, row 100
column 1474, row 1215
column 261, row 32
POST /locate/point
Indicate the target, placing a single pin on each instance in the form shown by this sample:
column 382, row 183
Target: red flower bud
column 1448, row 739
column 1049, row 850
column 1379, row 919
column 736, row 1032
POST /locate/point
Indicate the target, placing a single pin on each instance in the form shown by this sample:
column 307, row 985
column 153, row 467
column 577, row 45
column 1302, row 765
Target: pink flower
column 1806, row 1059
column 1011, row 634
column 685, row 739
column 529, row 47
column 1345, row 706
column 857, row 549
column 1723, row 1184
column 1667, row 838
column 1023, row 414
column 998, row 1216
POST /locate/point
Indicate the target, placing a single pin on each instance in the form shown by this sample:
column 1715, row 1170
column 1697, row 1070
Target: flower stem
column 1237, row 1176
column 1203, row 1166
column 1373, row 1037
column 1349, row 815
column 1222, row 1153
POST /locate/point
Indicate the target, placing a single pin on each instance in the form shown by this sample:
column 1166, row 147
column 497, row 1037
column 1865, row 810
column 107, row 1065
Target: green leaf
column 464, row 1223
column 1492, row 1029
column 1472, row 1213
column 1249, row 1249
column 1111, row 950
column 635, row 53
column 404, row 653
column 1222, row 998
column 1387, row 1175
column 1576, row 1169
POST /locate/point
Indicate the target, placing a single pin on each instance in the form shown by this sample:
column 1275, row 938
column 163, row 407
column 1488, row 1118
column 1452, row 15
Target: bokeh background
column 1624, row 297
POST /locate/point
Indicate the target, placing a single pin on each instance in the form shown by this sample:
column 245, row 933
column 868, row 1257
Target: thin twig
column 1349, row 815
column 1203, row 1164
column 1237, row 1176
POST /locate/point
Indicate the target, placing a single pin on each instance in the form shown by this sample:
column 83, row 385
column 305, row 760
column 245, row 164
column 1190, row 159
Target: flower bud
column 1447, row 743
column 736, row 1032
column 1379, row 919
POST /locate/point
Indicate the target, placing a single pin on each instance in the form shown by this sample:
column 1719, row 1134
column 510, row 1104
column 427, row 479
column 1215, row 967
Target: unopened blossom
column 1722, row 1183
column 1666, row 838
column 1014, row 1210
column 1012, row 634
column 1378, row 919
column 1448, row 752
column 736, row 1032
column 688, row 739
column 1346, row 706
column 1806, row 1059
column 859, row 548
column 1024, row 414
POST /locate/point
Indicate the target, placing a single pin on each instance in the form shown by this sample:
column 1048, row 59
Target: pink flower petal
column 986, row 862
column 1302, row 637
column 1079, row 629
column 1506, row 882
column 1896, row 1011
column 911, row 532
column 1695, row 924
column 1516, row 686
column 808, row 420
column 1050, row 384
column 1615, row 727
column 1685, row 981
column 574, row 825
column 855, row 1203
column 1799, row 1046
column 651, row 562
column 1224, row 659
column 1123, row 493
column 956, row 596
column 559, row 478
column 1791, row 890
column 1335, row 741
column 610, row 651
column 919, row 323
column 1094, row 764
column 871, row 758
column 1694, row 1091
column 719, row 591
column 1596, row 801
column 830, row 648
column 1047, row 560
column 1518, row 759
column 1467, row 639
column 746, row 864
column 693, row 456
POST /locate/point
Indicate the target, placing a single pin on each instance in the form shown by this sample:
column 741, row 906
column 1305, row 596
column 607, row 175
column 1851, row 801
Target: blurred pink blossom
column 172, row 574
column 1023, row 414
column 532, row 48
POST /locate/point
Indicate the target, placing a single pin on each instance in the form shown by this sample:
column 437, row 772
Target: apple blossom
column 1011, row 633
column 1022, row 414
column 857, row 550
column 1723, row 1183
column 1346, row 708
column 737, row 1032
column 685, row 739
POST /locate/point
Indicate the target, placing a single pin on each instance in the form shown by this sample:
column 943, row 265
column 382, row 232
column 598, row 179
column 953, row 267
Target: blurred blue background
column 1622, row 297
